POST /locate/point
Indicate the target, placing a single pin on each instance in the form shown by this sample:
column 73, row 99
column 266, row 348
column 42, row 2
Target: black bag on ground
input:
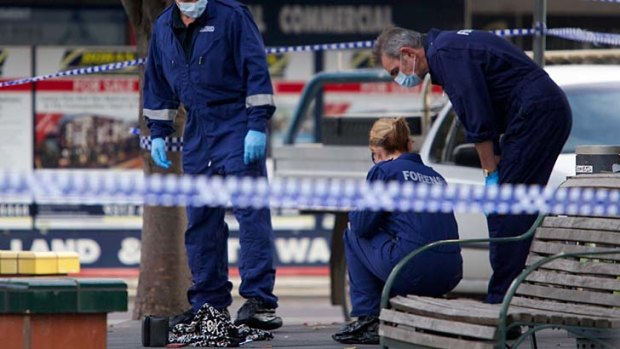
column 154, row 331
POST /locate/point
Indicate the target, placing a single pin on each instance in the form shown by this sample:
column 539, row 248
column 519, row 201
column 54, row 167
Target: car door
column 446, row 150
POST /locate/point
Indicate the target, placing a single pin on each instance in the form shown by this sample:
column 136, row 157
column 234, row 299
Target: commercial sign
column 295, row 22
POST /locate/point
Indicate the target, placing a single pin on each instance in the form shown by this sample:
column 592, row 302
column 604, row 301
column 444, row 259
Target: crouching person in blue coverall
column 376, row 241
column 518, row 118
column 210, row 57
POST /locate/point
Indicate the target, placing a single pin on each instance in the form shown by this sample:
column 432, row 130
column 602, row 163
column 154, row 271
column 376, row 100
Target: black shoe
column 513, row 333
column 226, row 313
column 254, row 313
column 183, row 318
column 363, row 331
column 187, row 317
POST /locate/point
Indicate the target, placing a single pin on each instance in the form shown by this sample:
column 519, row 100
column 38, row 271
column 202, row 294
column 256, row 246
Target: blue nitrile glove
column 158, row 153
column 492, row 178
column 254, row 149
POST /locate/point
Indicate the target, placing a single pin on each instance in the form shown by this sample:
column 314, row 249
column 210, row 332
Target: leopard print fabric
column 210, row 328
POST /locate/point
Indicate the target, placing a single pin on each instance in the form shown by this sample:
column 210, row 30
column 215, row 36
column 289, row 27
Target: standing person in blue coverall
column 518, row 118
column 376, row 241
column 210, row 57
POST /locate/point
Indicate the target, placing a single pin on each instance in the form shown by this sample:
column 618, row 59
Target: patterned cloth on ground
column 210, row 328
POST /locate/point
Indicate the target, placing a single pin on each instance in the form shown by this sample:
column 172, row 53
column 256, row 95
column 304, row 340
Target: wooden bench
column 572, row 282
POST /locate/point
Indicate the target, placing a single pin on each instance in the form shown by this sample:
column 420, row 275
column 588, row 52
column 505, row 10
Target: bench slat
column 439, row 325
column 487, row 314
column 553, row 248
column 587, row 267
column 580, row 235
column 588, row 223
column 428, row 340
column 561, row 279
column 463, row 305
column 542, row 316
column 597, row 182
column 578, row 309
column 545, row 292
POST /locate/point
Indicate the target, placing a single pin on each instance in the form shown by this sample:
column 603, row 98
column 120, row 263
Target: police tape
column 577, row 34
column 321, row 47
column 566, row 33
column 75, row 72
column 172, row 143
column 301, row 193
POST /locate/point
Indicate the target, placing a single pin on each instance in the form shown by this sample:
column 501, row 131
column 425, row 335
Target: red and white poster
column 15, row 110
column 84, row 122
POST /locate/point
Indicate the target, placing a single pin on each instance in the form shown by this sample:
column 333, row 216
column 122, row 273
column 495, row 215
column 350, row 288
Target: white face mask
column 192, row 9
column 407, row 80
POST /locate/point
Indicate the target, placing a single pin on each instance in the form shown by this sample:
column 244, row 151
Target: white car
column 594, row 95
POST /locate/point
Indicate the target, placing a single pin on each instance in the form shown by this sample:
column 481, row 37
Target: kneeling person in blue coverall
column 210, row 57
column 377, row 240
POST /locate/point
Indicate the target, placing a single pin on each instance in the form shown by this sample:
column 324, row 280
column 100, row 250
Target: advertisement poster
column 15, row 110
column 84, row 122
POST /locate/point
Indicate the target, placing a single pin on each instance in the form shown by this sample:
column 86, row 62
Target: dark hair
column 392, row 40
column 391, row 134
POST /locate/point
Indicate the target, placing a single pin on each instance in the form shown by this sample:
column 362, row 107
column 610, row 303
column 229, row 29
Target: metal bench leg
column 533, row 342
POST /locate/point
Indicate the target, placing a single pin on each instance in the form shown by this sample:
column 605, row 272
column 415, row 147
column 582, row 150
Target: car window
column 450, row 135
column 596, row 115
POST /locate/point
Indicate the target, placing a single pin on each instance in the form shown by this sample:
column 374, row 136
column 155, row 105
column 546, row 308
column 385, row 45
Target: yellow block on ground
column 37, row 263
column 8, row 262
column 68, row 262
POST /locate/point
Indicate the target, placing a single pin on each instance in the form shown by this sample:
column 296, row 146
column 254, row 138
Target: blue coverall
column 501, row 95
column 377, row 240
column 217, row 68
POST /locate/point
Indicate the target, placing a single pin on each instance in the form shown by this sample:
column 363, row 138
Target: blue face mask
column 192, row 9
column 407, row 80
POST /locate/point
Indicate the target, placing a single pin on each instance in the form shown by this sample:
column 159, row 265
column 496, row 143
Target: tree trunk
column 164, row 272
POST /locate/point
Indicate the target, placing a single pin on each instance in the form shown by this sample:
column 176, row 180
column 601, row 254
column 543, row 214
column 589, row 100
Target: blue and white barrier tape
column 308, row 193
column 321, row 47
column 74, row 72
column 127, row 64
column 577, row 34
column 172, row 143
column 566, row 33
column 513, row 32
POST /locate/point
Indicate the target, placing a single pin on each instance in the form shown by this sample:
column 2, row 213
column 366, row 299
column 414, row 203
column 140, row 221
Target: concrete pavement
column 309, row 319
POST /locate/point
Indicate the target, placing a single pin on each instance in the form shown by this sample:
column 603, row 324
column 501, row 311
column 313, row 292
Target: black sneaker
column 513, row 333
column 183, row 318
column 254, row 313
column 363, row 331
column 187, row 317
column 226, row 313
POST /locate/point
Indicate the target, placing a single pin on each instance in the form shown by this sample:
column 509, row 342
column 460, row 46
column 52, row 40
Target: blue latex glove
column 254, row 146
column 158, row 153
column 492, row 178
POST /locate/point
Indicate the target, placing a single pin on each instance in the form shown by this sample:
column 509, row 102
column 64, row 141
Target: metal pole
column 540, row 25
column 467, row 17
column 318, row 101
